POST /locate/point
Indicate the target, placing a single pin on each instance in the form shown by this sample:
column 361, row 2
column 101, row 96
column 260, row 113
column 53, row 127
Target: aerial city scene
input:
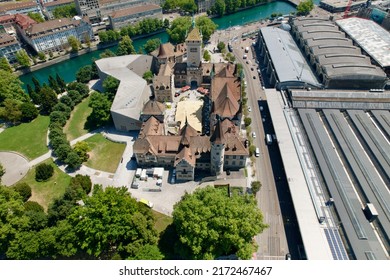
column 194, row 130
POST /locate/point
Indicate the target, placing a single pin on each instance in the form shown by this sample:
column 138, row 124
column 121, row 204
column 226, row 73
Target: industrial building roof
column 370, row 36
column 288, row 61
column 313, row 237
column 334, row 145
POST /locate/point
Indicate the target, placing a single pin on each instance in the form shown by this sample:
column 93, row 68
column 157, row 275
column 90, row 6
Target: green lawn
column 28, row 139
column 105, row 155
column 45, row 192
column 74, row 128
column 162, row 221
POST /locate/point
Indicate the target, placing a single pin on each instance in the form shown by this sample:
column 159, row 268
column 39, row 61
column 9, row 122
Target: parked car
column 249, row 109
column 253, row 134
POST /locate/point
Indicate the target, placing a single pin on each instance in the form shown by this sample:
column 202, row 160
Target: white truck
column 268, row 139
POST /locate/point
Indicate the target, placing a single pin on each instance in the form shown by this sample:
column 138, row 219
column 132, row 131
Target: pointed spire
column 212, row 73
column 193, row 21
column 218, row 136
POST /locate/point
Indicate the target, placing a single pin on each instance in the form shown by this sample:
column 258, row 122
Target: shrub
column 67, row 101
column 62, row 151
column 33, row 206
column 43, row 172
column 75, row 96
column 256, row 185
column 247, row 121
column 58, row 117
column 81, row 181
column 73, row 160
column 252, row 150
column 61, row 107
column 24, row 190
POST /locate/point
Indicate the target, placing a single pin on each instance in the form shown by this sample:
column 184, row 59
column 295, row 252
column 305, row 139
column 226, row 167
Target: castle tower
column 194, row 46
column 217, row 150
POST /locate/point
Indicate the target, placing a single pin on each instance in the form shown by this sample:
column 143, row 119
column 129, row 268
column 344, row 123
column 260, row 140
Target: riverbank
column 94, row 47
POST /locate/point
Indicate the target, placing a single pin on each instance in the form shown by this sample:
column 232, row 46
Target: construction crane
column 347, row 9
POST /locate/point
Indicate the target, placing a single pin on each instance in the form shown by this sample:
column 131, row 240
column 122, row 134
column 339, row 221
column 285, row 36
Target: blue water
column 67, row 69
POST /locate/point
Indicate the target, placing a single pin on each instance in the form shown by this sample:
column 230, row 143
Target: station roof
column 287, row 59
column 370, row 36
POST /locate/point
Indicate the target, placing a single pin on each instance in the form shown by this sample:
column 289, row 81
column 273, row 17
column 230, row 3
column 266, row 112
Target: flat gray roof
column 288, row 61
column 337, row 176
column 129, row 96
column 370, row 36
column 313, row 235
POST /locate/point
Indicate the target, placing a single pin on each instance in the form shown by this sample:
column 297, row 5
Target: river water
column 67, row 69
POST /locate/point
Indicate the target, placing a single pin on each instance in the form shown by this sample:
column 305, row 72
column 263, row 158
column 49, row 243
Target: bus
column 268, row 139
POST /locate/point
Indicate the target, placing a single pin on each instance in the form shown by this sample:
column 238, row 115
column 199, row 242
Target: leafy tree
column 57, row 141
column 107, row 53
column 180, row 26
column 84, row 74
column 110, row 86
column 206, row 55
column 247, row 121
column 252, row 150
column 81, row 181
column 221, row 47
column 148, row 252
column 111, row 223
column 66, row 11
column 148, row 76
column 73, row 160
column 206, row 26
column 58, row 117
column 125, row 46
column 43, row 172
column 33, row 206
column 36, row 16
column 48, row 99
column 24, row 190
column 54, row 85
column 12, row 218
column 67, row 100
column 75, row 96
column 11, row 87
column 211, row 224
column 166, row 23
column 29, row 111
column 63, row 108
column 152, row 44
column 11, row 111
column 82, row 148
column 256, row 185
column 304, row 7
column 41, row 56
column 4, row 65
column 2, row 172
column 219, row 7
column 37, row 85
column 62, row 151
column 178, row 29
column 74, row 43
column 101, row 106
column 230, row 57
column 80, row 87
column 61, row 83
column 23, row 58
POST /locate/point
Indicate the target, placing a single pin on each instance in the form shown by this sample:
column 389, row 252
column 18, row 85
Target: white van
column 257, row 152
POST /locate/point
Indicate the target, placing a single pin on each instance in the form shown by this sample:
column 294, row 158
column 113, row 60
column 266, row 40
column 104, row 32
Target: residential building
column 49, row 7
column 132, row 15
column 9, row 46
column 53, row 35
column 20, row 8
column 90, row 9
column 99, row 10
column 204, row 5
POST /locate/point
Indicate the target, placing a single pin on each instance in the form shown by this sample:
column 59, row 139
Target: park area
column 28, row 139
column 75, row 127
column 45, row 192
column 104, row 155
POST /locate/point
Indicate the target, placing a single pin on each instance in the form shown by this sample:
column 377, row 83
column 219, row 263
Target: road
column 272, row 242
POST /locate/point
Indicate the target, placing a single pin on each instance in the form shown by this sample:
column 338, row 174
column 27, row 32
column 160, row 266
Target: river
column 68, row 68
